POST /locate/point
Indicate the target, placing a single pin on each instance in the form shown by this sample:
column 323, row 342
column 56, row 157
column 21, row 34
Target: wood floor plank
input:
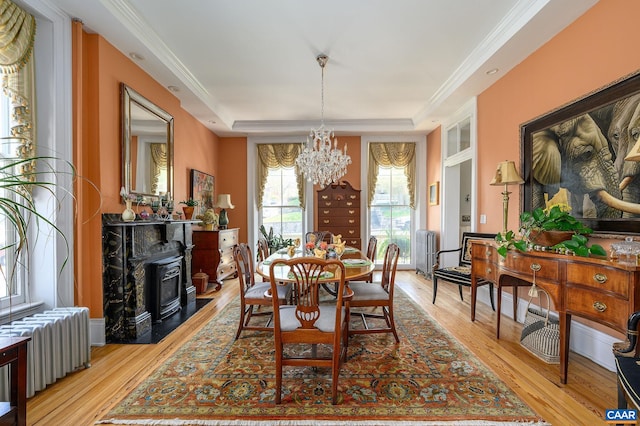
column 86, row 395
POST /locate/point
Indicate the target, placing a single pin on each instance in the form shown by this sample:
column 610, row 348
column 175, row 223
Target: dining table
column 357, row 266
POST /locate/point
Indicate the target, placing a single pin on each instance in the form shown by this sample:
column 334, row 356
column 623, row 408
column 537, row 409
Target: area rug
column 427, row 379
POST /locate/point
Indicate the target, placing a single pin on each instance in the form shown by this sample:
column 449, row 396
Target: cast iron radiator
column 425, row 251
column 60, row 343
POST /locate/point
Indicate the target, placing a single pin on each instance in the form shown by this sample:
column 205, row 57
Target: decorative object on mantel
column 128, row 215
column 224, row 202
column 318, row 162
column 506, row 174
column 189, row 206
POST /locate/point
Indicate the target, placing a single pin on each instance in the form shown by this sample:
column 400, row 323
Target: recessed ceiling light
column 173, row 89
column 136, row 56
column 492, row 71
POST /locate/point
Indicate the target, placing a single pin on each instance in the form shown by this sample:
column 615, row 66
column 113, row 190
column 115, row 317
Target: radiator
column 425, row 251
column 60, row 343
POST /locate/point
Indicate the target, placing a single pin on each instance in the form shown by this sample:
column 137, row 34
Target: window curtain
column 158, row 163
column 17, row 35
column 277, row 155
column 396, row 155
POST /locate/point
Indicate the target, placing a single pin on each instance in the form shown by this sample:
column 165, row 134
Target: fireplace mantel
column 128, row 248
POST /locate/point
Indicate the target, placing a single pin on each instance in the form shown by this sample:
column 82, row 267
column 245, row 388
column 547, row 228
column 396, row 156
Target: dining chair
column 377, row 295
column 320, row 236
column 263, row 252
column 309, row 322
column 254, row 294
column 371, row 255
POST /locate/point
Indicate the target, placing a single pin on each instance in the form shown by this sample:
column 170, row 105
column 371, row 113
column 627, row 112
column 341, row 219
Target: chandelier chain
column 318, row 161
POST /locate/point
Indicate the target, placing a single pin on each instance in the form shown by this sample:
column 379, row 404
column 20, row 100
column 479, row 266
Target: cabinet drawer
column 228, row 239
column 339, row 212
column 348, row 222
column 352, row 232
column 548, row 268
column 482, row 252
column 206, row 240
column 352, row 242
column 597, row 306
column 484, row 269
column 599, row 277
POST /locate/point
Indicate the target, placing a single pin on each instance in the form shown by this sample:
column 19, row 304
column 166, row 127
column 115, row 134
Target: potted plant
column 275, row 242
column 209, row 220
column 553, row 227
column 189, row 205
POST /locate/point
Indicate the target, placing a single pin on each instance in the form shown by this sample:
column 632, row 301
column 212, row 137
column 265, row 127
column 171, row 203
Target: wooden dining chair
column 377, row 295
column 372, row 247
column 253, row 294
column 320, row 236
column 263, row 253
column 309, row 322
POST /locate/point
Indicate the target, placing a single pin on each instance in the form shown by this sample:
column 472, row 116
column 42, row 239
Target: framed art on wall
column 434, row 194
column 579, row 154
column 202, row 189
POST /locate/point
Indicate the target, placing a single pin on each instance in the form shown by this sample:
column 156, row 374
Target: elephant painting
column 575, row 154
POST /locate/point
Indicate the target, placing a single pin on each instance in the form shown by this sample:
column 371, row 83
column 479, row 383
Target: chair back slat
column 244, row 266
column 389, row 266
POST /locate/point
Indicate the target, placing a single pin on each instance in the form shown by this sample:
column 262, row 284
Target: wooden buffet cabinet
column 213, row 253
column 594, row 289
column 338, row 207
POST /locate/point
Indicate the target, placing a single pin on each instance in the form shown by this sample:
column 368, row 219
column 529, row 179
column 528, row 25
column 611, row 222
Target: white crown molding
column 514, row 21
column 139, row 28
column 338, row 126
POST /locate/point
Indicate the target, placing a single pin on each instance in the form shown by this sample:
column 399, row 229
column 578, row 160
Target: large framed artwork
column 576, row 154
column 202, row 189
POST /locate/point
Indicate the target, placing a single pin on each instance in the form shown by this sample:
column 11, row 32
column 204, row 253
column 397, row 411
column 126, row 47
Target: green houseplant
column 275, row 242
column 189, row 206
column 556, row 219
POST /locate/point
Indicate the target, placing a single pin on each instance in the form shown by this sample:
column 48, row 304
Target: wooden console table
column 594, row 289
column 13, row 352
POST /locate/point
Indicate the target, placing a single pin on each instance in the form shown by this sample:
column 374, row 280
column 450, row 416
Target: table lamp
column 224, row 202
column 506, row 174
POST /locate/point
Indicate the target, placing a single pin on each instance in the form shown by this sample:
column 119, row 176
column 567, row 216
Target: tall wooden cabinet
column 213, row 253
column 338, row 208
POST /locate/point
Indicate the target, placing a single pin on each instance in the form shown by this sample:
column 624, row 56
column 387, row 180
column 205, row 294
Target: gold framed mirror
column 147, row 147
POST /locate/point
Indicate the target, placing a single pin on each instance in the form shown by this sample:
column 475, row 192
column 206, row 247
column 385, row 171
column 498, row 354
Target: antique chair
column 371, row 255
column 263, row 252
column 461, row 273
column 627, row 360
column 377, row 295
column 310, row 323
column 253, row 294
column 320, row 236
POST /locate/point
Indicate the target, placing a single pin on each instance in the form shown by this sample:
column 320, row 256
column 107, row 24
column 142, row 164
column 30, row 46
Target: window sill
column 17, row 312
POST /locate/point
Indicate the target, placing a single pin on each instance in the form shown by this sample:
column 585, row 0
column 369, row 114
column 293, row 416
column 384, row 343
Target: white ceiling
column 248, row 66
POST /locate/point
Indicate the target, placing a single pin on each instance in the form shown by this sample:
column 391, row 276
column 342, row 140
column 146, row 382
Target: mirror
column 147, row 147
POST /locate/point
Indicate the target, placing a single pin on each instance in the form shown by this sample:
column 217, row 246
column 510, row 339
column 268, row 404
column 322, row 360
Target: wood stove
column 165, row 284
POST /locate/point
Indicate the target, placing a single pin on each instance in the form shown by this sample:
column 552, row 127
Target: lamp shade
column 506, row 174
column 224, row 201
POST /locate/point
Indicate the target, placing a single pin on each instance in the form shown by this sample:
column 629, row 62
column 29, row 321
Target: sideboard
column 594, row 289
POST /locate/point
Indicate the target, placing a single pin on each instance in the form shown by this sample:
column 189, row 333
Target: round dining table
column 357, row 265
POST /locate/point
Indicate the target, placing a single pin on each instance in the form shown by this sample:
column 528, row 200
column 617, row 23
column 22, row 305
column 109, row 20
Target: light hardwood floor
column 85, row 396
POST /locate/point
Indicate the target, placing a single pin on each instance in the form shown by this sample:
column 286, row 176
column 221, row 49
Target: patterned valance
column 271, row 156
column 396, row 155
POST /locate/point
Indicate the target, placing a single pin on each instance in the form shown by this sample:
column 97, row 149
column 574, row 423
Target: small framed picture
column 434, row 194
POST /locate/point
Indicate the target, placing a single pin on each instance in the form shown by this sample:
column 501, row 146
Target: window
column 390, row 213
column 280, row 207
column 10, row 277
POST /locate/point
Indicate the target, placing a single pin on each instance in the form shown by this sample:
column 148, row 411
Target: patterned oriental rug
column 428, row 379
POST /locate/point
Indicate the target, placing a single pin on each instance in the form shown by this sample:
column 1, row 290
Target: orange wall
column 232, row 179
column 102, row 69
column 595, row 50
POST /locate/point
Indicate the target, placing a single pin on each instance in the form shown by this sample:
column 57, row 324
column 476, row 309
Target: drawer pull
column 353, row 197
column 352, row 211
column 535, row 267
column 600, row 278
column 326, row 211
column 326, row 221
column 599, row 306
column 488, row 270
column 352, row 221
column 352, row 232
column 349, row 203
column 487, row 253
column 325, row 197
column 328, row 203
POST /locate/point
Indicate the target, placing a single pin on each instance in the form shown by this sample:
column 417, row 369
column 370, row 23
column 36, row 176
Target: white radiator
column 425, row 251
column 60, row 343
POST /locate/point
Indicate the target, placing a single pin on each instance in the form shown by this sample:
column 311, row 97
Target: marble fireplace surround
column 128, row 249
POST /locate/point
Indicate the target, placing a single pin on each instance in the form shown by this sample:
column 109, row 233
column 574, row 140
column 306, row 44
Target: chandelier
column 319, row 162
